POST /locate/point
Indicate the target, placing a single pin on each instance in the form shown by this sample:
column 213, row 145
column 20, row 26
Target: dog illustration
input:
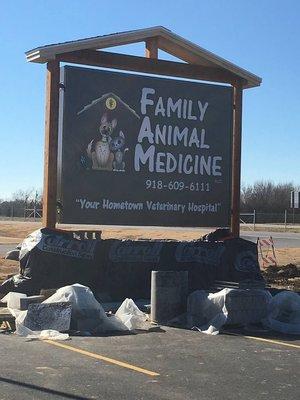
column 98, row 150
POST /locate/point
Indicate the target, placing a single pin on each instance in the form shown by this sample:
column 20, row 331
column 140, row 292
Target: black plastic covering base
column 122, row 268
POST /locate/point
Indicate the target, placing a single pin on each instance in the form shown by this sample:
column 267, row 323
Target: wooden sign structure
column 199, row 64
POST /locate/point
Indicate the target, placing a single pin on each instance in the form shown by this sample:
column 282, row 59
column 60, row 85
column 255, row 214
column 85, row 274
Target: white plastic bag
column 131, row 316
column 284, row 313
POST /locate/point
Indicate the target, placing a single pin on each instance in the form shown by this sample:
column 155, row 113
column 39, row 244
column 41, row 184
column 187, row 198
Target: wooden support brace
column 51, row 144
column 152, row 48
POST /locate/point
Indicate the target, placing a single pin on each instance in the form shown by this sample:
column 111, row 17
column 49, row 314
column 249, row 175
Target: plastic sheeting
column 13, row 300
column 131, row 316
column 284, row 313
column 209, row 312
column 30, row 242
column 52, row 259
column 50, row 334
column 14, row 254
column 87, row 313
column 88, row 316
column 83, row 305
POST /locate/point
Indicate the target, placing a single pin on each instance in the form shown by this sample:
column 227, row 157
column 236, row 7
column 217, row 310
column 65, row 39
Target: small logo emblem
column 111, row 103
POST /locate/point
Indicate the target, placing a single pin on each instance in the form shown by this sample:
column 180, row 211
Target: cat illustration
column 98, row 150
column 117, row 147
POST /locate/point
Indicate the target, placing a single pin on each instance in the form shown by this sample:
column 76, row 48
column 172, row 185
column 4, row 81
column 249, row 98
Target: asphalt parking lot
column 170, row 364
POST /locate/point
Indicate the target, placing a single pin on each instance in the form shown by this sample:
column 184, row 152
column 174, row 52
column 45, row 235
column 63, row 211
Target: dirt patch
column 288, row 256
column 16, row 230
column 287, row 276
column 7, row 268
column 10, row 240
column 275, row 228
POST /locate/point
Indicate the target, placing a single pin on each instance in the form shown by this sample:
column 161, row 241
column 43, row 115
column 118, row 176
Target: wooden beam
column 151, row 48
column 192, row 54
column 51, row 144
column 236, row 158
column 179, row 51
column 149, row 65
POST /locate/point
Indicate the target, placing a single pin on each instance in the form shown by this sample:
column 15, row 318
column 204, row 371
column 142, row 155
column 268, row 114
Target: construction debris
column 73, row 308
column 284, row 313
column 50, row 259
column 209, row 312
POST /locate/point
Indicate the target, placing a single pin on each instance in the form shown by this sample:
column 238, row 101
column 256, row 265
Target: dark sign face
column 138, row 150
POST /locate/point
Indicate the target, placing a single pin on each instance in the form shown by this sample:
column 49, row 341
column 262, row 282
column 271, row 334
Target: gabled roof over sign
column 105, row 97
column 166, row 41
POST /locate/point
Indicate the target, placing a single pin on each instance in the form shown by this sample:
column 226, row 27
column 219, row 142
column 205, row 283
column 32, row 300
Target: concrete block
column 55, row 316
column 26, row 301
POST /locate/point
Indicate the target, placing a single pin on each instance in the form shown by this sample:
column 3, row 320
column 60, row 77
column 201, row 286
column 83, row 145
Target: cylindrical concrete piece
column 169, row 291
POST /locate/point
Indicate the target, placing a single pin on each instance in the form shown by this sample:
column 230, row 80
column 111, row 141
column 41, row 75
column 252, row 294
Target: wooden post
column 152, row 48
column 236, row 158
column 51, row 144
column 285, row 220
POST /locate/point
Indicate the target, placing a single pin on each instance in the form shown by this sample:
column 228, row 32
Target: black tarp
column 122, row 268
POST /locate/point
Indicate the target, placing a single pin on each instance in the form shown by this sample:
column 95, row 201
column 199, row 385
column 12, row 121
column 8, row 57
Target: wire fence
column 280, row 218
column 18, row 212
column 271, row 218
column 286, row 219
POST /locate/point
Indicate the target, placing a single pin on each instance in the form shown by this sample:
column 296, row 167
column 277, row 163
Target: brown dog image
column 98, row 150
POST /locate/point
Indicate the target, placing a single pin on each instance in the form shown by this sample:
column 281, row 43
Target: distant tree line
column 266, row 197
column 21, row 201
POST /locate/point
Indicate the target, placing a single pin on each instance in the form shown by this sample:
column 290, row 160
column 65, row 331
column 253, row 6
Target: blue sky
column 260, row 36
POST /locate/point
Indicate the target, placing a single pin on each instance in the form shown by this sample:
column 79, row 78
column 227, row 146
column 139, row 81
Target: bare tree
column 265, row 196
column 22, row 195
column 22, row 199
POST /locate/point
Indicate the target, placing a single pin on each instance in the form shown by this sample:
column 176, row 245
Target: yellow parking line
column 297, row 346
column 274, row 341
column 103, row 358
